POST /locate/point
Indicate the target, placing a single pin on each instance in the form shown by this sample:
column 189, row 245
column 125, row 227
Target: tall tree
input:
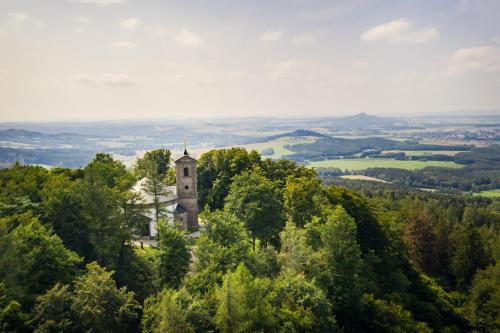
column 241, row 303
column 422, row 239
column 174, row 255
column 99, row 306
column 255, row 200
column 339, row 263
column 299, row 197
column 157, row 161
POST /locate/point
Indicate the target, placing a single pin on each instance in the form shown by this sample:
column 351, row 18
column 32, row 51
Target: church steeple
column 185, row 148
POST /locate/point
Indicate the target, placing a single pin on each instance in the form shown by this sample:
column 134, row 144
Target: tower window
column 186, row 187
column 186, row 172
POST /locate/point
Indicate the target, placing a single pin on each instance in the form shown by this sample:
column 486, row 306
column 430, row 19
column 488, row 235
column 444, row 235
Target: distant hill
column 294, row 134
column 362, row 120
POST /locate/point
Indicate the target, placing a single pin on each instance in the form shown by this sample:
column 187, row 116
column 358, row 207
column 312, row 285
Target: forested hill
column 278, row 252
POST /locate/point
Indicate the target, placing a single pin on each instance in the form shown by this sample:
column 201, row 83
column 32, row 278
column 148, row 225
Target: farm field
column 365, row 163
column 278, row 146
column 489, row 193
column 424, row 152
column 362, row 177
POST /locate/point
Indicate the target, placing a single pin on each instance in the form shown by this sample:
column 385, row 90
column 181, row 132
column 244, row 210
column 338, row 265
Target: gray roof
column 169, row 193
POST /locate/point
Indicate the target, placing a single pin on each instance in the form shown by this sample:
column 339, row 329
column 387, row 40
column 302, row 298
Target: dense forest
column 279, row 251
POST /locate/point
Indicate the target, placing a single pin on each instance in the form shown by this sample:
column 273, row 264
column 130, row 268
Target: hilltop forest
column 279, row 251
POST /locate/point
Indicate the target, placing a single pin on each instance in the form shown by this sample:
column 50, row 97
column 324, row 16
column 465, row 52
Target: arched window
column 186, row 172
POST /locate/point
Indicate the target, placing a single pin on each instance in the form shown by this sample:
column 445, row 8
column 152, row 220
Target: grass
column 278, row 146
column 424, row 152
column 365, row 163
column 489, row 193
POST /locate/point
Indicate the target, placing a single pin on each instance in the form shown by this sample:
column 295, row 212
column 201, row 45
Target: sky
column 86, row 60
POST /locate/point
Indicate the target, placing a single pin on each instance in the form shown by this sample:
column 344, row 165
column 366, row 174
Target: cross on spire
column 185, row 148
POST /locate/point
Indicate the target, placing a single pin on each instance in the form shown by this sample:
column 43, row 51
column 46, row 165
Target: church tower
column 187, row 192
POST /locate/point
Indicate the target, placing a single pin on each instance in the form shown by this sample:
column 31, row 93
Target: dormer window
column 186, row 172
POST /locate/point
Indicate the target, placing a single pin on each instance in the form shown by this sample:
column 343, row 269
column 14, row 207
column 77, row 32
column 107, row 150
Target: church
column 179, row 203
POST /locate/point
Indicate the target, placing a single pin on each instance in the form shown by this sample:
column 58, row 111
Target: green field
column 365, row 163
column 489, row 193
column 278, row 146
column 424, row 152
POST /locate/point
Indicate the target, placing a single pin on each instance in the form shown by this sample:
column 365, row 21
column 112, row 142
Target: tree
column 33, row 259
column 164, row 313
column 301, row 306
column 221, row 248
column 12, row 319
column 241, row 303
column 52, row 313
column 299, row 199
column 154, row 161
column 216, row 169
column 255, row 201
column 174, row 255
column 99, row 306
column 483, row 308
column 295, row 253
column 62, row 210
column 421, row 238
column 468, row 254
column 339, row 263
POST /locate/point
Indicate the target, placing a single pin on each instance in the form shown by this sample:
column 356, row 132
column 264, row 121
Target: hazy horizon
column 126, row 60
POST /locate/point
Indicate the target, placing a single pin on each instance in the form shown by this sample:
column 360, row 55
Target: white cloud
column 19, row 16
column 399, row 31
column 124, row 45
column 475, row 59
column 130, row 23
column 272, row 35
column 82, row 20
column 303, row 39
column 188, row 39
column 98, row 3
column 104, row 79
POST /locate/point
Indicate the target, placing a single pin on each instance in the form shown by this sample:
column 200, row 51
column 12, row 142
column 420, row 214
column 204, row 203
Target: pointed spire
column 185, row 148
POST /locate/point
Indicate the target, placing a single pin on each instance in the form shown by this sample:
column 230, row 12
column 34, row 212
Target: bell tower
column 187, row 192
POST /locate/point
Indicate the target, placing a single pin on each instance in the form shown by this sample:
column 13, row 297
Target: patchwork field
column 489, row 193
column 365, row 163
column 424, row 152
column 361, row 177
column 278, row 146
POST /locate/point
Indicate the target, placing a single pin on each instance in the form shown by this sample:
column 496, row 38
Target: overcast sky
column 146, row 59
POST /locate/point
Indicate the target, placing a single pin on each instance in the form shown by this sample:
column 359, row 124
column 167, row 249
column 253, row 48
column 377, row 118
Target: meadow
column 489, row 193
column 424, row 152
column 365, row 163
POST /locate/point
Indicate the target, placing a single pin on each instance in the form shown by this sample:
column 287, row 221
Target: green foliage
column 255, row 200
column 52, row 312
column 300, row 306
column 295, row 253
column 165, row 312
column 174, row 255
column 241, row 303
column 154, row 163
column 339, row 262
column 33, row 259
column 299, row 199
column 12, row 319
column 383, row 316
column 483, row 308
column 99, row 306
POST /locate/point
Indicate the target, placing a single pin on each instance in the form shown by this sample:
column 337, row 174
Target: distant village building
column 179, row 203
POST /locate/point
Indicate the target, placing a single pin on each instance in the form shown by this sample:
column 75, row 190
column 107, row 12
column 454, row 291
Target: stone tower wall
column 187, row 189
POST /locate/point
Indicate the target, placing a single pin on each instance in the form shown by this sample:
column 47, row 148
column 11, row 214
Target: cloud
column 399, row 31
column 188, row 39
column 124, row 45
column 98, row 3
column 475, row 59
column 19, row 16
column 104, row 79
column 82, row 20
column 303, row 39
column 272, row 35
column 130, row 23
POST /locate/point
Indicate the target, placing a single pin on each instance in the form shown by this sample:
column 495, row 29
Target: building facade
column 177, row 204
